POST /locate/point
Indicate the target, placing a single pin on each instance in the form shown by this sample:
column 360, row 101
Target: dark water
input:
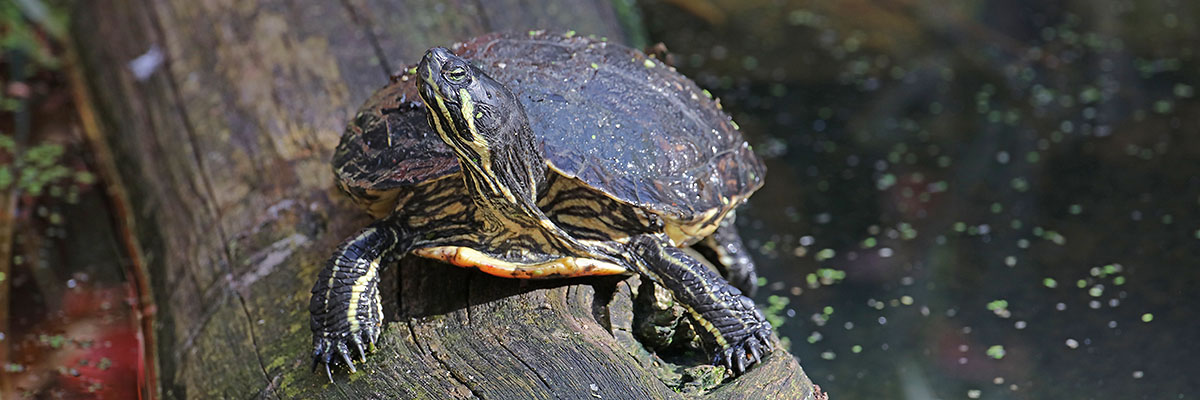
column 985, row 199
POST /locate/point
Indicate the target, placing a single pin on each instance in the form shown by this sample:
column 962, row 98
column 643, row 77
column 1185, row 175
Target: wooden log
column 220, row 118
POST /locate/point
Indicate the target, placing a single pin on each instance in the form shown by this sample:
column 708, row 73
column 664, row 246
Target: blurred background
column 976, row 199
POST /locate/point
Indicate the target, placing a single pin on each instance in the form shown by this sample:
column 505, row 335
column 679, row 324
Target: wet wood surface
column 220, row 118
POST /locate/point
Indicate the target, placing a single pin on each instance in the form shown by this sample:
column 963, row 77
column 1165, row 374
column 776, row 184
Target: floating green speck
column 1075, row 209
column 996, row 351
column 1163, row 106
column 856, row 349
column 814, row 337
column 885, row 181
column 828, row 310
column 1050, row 283
column 1147, row 317
column 595, row 66
column 570, row 33
column 825, row 254
column 868, row 243
column 1019, row 184
column 1081, row 283
column 997, row 305
column 1118, row 281
column 1182, row 90
column 1089, row 95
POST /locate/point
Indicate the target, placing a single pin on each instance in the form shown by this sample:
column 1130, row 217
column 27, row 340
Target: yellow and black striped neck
column 486, row 126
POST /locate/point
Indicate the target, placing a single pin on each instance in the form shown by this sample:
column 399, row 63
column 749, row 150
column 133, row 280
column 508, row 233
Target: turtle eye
column 456, row 74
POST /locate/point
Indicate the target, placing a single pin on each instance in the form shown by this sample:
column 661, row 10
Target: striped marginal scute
column 446, row 216
column 587, row 214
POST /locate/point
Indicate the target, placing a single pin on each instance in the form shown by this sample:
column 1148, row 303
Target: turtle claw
column 326, row 351
column 747, row 352
column 739, row 356
column 362, row 353
column 346, row 358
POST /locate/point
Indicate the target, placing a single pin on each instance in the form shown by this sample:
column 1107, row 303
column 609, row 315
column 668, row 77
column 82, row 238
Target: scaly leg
column 731, row 318
column 725, row 249
column 345, row 307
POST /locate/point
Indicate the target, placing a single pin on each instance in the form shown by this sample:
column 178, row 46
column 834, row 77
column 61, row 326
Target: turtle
column 545, row 155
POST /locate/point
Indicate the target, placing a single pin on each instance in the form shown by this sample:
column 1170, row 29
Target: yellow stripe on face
column 478, row 142
column 447, row 132
column 481, row 145
column 437, row 123
column 468, row 111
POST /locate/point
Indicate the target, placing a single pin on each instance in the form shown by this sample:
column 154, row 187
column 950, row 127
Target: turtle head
column 482, row 121
column 468, row 109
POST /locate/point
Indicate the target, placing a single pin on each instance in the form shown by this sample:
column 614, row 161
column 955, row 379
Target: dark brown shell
column 625, row 124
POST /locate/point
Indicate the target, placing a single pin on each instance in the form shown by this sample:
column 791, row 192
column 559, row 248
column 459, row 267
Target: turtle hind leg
column 345, row 312
column 725, row 249
column 739, row 329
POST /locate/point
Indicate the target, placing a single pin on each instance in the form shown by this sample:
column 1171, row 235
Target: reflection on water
column 991, row 199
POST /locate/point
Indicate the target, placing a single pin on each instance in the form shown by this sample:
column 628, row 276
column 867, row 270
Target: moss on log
column 221, row 131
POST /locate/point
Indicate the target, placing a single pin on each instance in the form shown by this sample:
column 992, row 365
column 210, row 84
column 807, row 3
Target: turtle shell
column 620, row 122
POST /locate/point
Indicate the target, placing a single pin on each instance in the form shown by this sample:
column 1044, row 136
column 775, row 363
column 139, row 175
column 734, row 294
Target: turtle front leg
column 740, row 330
column 724, row 248
column 345, row 310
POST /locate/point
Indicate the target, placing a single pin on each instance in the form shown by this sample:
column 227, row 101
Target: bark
column 223, row 147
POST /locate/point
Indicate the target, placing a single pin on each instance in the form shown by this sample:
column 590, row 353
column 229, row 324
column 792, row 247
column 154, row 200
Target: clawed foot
column 329, row 347
column 746, row 352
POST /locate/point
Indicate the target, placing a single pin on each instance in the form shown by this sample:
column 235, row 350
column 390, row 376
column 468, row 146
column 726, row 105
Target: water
column 991, row 200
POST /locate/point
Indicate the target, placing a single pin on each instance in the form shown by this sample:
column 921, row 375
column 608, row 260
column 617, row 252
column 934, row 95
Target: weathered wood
column 225, row 148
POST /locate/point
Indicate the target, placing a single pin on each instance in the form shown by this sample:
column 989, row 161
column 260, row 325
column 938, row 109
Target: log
column 217, row 141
